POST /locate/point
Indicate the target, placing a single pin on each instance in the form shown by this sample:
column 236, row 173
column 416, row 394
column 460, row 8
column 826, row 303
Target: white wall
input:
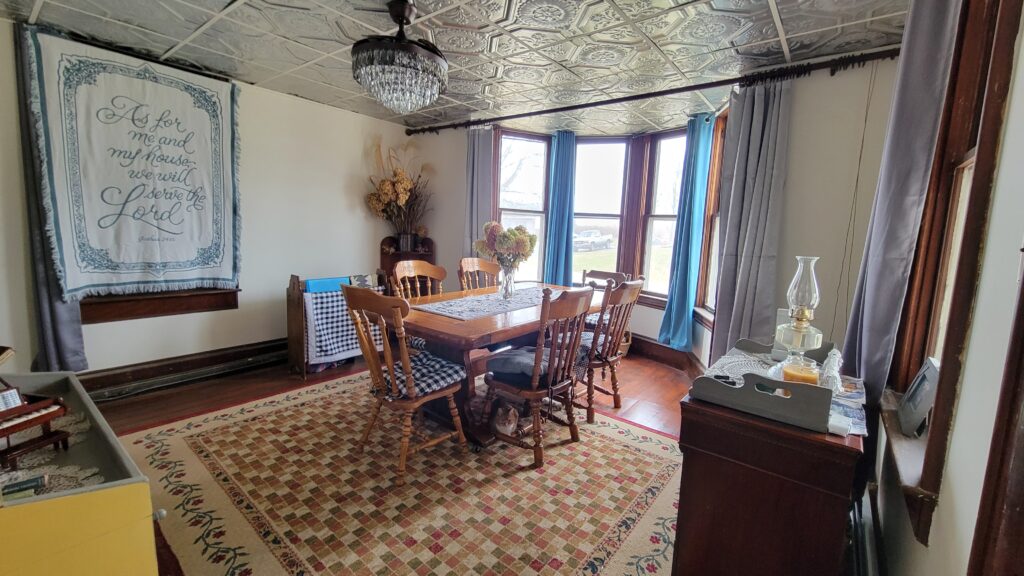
column 303, row 176
column 826, row 128
column 953, row 524
column 831, row 115
column 16, row 324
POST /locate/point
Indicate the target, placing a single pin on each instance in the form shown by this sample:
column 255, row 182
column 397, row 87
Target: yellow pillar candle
column 798, row 373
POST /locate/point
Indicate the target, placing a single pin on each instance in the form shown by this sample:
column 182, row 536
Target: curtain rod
column 783, row 73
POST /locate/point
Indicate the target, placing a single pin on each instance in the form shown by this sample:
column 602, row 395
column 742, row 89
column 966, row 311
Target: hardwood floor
column 650, row 395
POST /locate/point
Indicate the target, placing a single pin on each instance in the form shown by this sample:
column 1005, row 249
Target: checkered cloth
column 334, row 331
column 429, row 374
column 416, row 343
column 592, row 319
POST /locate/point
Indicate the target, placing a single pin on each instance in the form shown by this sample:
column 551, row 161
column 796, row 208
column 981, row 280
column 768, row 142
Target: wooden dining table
column 466, row 341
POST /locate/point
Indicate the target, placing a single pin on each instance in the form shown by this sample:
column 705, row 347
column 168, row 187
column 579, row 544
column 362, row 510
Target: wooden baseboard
column 649, row 348
column 114, row 382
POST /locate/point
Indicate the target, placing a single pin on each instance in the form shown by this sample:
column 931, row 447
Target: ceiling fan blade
column 375, row 10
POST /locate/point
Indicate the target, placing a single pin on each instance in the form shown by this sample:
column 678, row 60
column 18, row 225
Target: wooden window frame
column 645, row 214
column 496, row 209
column 623, row 203
column 972, row 119
column 703, row 313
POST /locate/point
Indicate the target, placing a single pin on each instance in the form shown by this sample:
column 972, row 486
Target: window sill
column 99, row 309
column 652, row 301
column 907, row 455
column 704, row 317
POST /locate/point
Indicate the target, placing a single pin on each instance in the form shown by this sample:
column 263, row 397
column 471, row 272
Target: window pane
column 600, row 169
column 711, row 294
column 952, row 246
column 529, row 270
column 668, row 175
column 595, row 244
column 523, row 165
column 658, row 255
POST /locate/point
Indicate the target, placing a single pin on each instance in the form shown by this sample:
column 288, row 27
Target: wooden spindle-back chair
column 601, row 277
column 605, row 342
column 556, row 358
column 404, row 384
column 478, row 273
column 414, row 278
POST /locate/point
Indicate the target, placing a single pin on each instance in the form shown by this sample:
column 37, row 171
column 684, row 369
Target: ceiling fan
column 402, row 74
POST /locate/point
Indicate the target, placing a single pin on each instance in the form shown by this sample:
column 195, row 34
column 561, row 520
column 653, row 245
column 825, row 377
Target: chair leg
column 404, row 454
column 369, row 426
column 590, row 395
column 574, row 431
column 492, row 393
column 538, row 447
column 458, row 423
column 616, row 399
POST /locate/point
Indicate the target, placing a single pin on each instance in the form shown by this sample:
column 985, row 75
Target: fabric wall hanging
column 138, row 169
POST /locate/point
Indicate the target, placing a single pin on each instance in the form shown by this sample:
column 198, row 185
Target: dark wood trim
column 631, row 233
column 112, row 377
column 685, row 361
column 711, row 209
column 1000, row 526
column 704, row 317
column 652, row 301
column 99, row 309
column 956, row 128
column 973, row 119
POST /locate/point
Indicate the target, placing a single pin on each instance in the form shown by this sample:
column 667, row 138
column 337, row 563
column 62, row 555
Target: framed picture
column 917, row 402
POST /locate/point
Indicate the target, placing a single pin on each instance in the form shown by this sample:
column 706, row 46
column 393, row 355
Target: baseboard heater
column 169, row 376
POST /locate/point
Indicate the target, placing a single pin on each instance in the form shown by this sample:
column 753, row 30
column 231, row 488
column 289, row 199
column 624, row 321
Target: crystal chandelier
column 402, row 74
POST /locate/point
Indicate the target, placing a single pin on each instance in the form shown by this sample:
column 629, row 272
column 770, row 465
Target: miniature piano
column 26, row 412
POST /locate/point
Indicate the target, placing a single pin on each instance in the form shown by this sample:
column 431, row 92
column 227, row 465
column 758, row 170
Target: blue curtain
column 562, row 182
column 677, row 324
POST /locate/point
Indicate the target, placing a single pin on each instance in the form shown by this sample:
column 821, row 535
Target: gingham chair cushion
column 429, row 374
column 592, row 319
column 587, row 340
column 416, row 343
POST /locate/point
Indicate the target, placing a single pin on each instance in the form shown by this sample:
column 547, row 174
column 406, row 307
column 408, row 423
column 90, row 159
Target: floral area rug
column 276, row 487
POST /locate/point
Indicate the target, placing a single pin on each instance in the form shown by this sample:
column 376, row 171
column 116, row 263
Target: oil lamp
column 798, row 336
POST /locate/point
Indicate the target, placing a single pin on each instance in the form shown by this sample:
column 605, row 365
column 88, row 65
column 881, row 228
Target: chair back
column 601, row 277
column 414, row 278
column 367, row 309
column 478, row 273
column 564, row 319
column 613, row 320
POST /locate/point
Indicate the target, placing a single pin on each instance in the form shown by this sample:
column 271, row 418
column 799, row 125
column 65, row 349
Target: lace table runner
column 486, row 304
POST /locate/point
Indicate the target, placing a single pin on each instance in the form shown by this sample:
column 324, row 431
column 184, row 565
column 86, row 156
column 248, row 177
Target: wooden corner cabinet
column 760, row 497
column 391, row 255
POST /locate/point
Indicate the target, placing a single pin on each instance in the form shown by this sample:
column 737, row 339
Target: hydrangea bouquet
column 509, row 247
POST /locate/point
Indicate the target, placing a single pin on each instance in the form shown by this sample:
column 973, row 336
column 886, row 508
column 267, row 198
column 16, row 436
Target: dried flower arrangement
column 401, row 196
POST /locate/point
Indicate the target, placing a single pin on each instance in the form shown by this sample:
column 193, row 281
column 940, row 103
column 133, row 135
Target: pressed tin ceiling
column 505, row 56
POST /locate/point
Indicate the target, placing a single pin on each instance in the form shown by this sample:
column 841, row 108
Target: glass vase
column 508, row 282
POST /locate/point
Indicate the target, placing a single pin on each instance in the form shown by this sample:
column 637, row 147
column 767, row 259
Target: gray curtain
column 60, row 345
column 480, row 183
column 920, row 93
column 753, row 177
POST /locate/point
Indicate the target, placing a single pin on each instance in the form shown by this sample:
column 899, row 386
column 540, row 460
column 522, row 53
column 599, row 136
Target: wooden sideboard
column 760, row 497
